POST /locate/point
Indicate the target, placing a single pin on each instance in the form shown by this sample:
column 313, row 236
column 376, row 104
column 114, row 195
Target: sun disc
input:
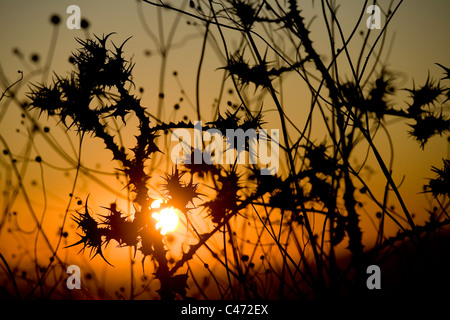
column 167, row 220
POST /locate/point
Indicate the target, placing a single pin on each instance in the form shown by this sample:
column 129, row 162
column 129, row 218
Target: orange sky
column 419, row 30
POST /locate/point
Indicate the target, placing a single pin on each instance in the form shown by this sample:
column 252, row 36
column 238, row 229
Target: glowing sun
column 167, row 218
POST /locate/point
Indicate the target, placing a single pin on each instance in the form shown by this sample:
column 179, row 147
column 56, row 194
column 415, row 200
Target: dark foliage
column 320, row 178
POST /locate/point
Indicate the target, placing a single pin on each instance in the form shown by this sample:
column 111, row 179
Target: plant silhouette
column 304, row 213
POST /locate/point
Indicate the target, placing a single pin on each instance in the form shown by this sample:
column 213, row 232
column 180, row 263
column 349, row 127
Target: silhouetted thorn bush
column 92, row 237
column 318, row 178
column 440, row 185
column 179, row 193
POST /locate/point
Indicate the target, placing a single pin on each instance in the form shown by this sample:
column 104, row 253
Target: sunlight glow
column 167, row 218
column 156, row 204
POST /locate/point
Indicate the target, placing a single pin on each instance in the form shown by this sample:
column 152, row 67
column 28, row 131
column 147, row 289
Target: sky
column 417, row 39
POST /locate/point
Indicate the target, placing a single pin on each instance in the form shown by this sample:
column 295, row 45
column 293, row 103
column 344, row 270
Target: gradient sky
column 421, row 38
